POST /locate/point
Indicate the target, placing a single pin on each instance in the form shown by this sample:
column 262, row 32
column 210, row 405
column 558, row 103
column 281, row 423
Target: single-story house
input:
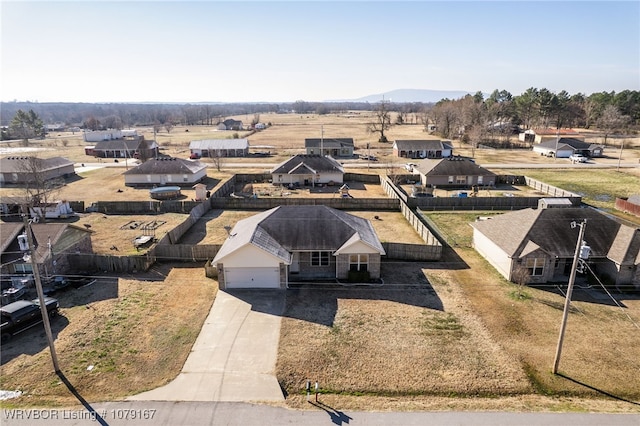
column 230, row 124
column 166, row 171
column 219, row 148
column 543, row 241
column 429, row 148
column 54, row 243
column 307, row 170
column 124, row 148
column 335, row 147
column 565, row 147
column 453, row 172
column 298, row 243
column 20, row 170
column 542, row 135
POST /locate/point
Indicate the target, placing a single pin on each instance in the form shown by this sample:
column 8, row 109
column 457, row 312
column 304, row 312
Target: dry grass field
column 112, row 338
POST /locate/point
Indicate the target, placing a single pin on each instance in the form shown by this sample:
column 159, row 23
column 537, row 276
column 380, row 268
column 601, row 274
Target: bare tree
column 168, row 126
column 476, row 135
column 611, row 121
column 381, row 122
column 520, row 276
column 39, row 188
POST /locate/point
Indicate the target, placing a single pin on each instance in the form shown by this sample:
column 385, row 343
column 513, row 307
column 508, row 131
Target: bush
column 358, row 277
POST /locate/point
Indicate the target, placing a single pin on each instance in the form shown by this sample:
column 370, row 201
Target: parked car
column 24, row 314
column 577, row 158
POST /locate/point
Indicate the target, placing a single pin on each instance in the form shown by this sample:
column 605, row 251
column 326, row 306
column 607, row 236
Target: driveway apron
column 234, row 357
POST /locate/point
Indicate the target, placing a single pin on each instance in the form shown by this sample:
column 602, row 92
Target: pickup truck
column 577, row 158
column 19, row 316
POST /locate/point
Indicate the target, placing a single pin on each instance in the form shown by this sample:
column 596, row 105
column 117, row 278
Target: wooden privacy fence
column 412, row 251
column 108, row 263
column 551, row 190
column 336, row 203
column 143, row 207
column 185, row 252
column 624, row 205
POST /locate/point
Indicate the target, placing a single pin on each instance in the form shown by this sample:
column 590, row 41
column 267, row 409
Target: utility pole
column 43, row 306
column 567, row 302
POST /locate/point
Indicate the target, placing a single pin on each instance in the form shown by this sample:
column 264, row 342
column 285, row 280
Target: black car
column 24, row 314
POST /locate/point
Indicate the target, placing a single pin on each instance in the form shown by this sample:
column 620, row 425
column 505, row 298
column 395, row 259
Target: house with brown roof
column 20, row 170
column 543, row 242
column 453, row 172
column 307, row 170
column 54, row 243
column 428, row 148
column 298, row 243
column 166, row 171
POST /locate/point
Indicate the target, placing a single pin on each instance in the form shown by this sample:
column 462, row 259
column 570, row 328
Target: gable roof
column 285, row 229
column 571, row 142
column 15, row 164
column 219, row 144
column 117, row 144
column 551, row 230
column 167, row 165
column 418, row 144
column 328, row 142
column 452, row 166
column 308, row 164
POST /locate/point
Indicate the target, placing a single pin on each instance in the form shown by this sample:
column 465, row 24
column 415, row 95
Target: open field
column 112, row 339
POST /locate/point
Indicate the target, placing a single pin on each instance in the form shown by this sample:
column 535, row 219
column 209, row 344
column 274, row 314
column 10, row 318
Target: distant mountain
column 411, row 95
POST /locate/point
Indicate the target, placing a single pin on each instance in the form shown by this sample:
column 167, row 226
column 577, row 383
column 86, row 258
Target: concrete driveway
column 234, row 357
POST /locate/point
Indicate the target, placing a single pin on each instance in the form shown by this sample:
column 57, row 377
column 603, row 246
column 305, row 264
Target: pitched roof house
column 166, row 171
column 542, row 135
column 543, row 241
column 53, row 241
column 429, row 148
column 307, row 170
column 564, row 147
column 124, row 148
column 20, row 170
column 230, row 124
column 335, row 147
column 295, row 243
column 219, row 148
column 453, row 172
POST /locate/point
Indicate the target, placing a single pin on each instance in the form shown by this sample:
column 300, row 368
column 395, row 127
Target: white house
column 219, row 148
column 308, row 170
column 298, row 243
column 102, row 135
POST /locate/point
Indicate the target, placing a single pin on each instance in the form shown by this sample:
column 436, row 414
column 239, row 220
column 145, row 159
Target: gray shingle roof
column 572, row 142
column 168, row 165
column 453, row 166
column 328, row 142
column 16, row 164
column 285, row 229
column 419, row 145
column 317, row 163
column 551, row 230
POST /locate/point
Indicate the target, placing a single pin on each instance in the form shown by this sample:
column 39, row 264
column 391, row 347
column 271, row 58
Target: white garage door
column 252, row 277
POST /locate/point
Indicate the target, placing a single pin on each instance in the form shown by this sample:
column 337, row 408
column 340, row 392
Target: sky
column 267, row 51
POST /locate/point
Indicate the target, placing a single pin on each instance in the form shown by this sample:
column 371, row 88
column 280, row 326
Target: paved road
column 242, row 414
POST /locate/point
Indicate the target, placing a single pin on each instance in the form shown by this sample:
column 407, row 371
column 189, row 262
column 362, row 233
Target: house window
column 450, row 179
column 535, row 266
column 319, row 258
column 359, row 262
column 185, row 178
column 23, row 267
column 480, row 178
column 461, row 180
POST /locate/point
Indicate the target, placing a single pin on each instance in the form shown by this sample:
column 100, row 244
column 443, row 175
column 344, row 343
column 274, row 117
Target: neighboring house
column 429, row 148
column 454, row 172
column 543, row 135
column 20, row 170
column 166, row 171
column 59, row 210
column 297, row 243
column 55, row 127
column 124, row 148
column 230, row 124
column 54, row 243
column 543, row 242
column 219, row 148
column 102, row 135
column 565, row 147
column 335, row 147
column 307, row 170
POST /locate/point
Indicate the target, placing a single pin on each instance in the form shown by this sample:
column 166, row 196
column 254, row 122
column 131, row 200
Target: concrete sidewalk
column 234, row 357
